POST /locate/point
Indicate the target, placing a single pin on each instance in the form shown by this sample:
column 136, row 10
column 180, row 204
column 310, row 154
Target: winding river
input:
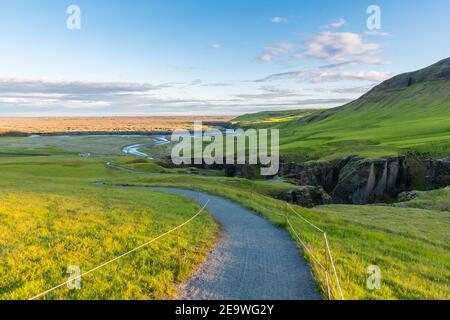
column 135, row 149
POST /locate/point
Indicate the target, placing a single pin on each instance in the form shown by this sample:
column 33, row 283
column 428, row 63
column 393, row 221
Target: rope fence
column 322, row 266
column 122, row 255
column 328, row 256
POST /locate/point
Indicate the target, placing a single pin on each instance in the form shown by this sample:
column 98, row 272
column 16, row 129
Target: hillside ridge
column 435, row 72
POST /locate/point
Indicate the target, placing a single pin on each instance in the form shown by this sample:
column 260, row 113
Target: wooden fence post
column 180, row 258
column 326, row 266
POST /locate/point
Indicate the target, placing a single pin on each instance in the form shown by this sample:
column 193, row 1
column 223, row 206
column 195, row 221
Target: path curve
column 254, row 259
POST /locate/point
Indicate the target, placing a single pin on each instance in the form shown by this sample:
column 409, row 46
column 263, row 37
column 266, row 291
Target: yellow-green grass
column 98, row 144
column 143, row 165
column 52, row 216
column 260, row 119
column 381, row 123
column 432, row 200
column 410, row 246
column 150, row 166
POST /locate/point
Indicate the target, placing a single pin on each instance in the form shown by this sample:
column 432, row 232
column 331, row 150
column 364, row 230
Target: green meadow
column 63, row 210
column 381, row 123
column 55, row 214
column 409, row 245
column 71, row 144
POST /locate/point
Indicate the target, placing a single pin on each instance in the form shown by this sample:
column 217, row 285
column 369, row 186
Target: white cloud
column 279, row 20
column 30, row 86
column 377, row 33
column 317, row 75
column 81, row 95
column 195, row 82
column 20, row 97
column 345, row 47
column 338, row 46
column 216, row 46
column 350, row 75
column 273, row 51
column 270, row 93
column 265, row 57
column 336, row 24
column 347, row 90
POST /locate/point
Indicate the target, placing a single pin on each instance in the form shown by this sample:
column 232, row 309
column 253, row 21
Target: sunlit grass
column 409, row 245
column 73, row 216
column 52, row 217
column 382, row 124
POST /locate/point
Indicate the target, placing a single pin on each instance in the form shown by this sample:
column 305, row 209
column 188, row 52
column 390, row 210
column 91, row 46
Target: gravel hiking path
column 254, row 259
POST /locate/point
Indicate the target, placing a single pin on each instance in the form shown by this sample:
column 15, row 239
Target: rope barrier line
column 304, row 219
column 327, row 250
column 305, row 246
column 122, row 255
column 334, row 267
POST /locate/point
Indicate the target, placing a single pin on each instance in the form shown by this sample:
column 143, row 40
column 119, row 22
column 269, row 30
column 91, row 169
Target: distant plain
column 72, row 125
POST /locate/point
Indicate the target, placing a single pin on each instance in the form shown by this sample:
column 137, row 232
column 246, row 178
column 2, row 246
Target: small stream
column 134, row 149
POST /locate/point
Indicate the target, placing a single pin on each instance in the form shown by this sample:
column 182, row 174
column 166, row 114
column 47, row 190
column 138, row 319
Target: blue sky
column 207, row 57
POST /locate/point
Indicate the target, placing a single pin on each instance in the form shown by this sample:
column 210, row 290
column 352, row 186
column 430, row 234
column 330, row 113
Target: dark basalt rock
column 438, row 174
column 243, row 171
column 316, row 174
column 362, row 181
column 308, row 196
column 353, row 180
column 409, row 195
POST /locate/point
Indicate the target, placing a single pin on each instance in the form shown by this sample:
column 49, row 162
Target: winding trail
column 253, row 260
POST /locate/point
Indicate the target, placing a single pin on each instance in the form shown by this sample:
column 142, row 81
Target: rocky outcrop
column 362, row 181
column 243, row 171
column 438, row 173
column 409, row 195
column 325, row 174
column 307, row 196
column 352, row 180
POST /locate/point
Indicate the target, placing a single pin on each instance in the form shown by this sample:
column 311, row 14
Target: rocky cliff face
column 352, row 180
column 307, row 196
column 361, row 181
column 438, row 173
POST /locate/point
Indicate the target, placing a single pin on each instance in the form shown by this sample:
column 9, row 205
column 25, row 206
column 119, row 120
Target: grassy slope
column 409, row 245
column 379, row 124
column 52, row 216
column 432, row 200
column 270, row 117
column 59, row 194
column 70, row 144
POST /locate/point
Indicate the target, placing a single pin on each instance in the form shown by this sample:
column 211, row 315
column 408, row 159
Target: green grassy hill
column 53, row 215
column 409, row 245
column 263, row 118
column 408, row 112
